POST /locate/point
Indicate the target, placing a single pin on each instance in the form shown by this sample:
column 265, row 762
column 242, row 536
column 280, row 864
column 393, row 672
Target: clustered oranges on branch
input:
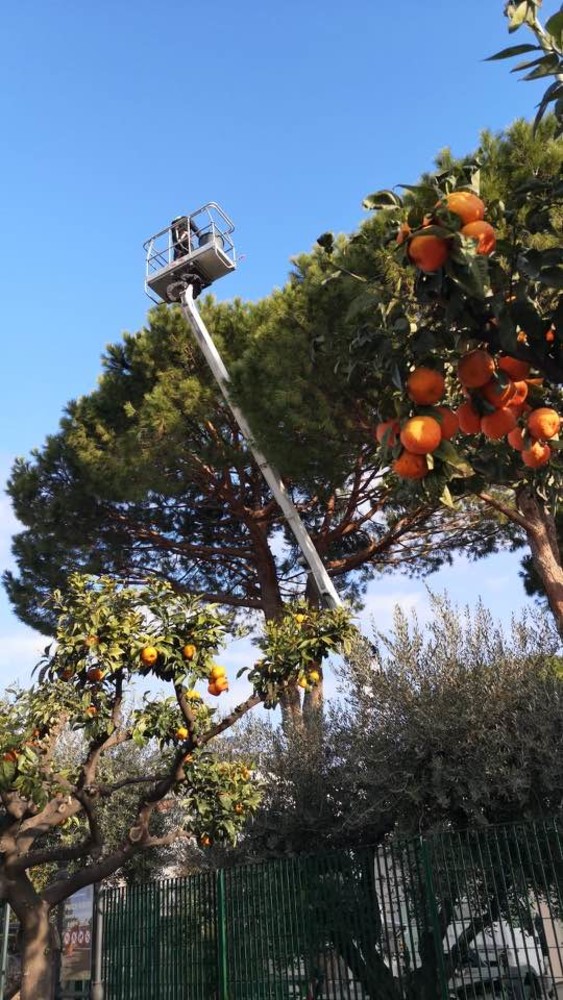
column 501, row 399
column 217, row 676
column 496, row 405
column 421, row 433
column 218, row 681
column 430, row 246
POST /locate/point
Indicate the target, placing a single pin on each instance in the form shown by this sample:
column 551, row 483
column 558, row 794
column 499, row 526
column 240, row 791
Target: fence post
column 434, row 916
column 4, row 934
column 97, row 985
column 222, row 935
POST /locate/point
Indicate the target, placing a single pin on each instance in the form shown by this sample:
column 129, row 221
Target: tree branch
column 229, row 720
column 186, row 711
column 509, row 512
column 52, row 855
column 107, row 790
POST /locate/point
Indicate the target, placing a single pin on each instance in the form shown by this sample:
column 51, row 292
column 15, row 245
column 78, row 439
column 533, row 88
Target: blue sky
column 117, row 116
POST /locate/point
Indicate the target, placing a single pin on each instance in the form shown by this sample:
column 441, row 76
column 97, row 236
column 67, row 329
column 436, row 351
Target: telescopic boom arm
column 324, row 584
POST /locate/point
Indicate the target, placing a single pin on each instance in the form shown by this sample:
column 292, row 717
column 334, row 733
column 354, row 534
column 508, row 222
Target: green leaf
column 553, row 92
column 554, row 27
column 517, row 15
column 447, row 499
column 473, row 277
column 529, row 63
column 396, row 376
column 513, row 50
column 451, row 456
column 381, row 199
column 545, row 67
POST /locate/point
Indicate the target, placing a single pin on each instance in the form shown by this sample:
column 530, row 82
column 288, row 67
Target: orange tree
column 448, row 368
column 473, row 350
column 52, row 812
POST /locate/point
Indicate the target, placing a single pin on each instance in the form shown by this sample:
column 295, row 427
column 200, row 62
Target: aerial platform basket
column 193, row 250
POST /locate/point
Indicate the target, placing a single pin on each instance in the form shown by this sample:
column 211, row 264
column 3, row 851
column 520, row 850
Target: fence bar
column 5, row 912
column 443, row 914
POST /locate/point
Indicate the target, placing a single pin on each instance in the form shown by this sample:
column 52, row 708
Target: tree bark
column 542, row 538
column 37, row 954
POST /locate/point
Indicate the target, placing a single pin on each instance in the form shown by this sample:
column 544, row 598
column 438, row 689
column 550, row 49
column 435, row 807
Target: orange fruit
column 66, row 674
column 429, row 253
column 91, row 640
column 314, row 676
column 205, row 841
column 216, row 672
column 421, row 435
column 475, row 369
column 469, row 419
column 388, row 430
column 95, row 674
column 181, row 733
column 221, row 684
column 516, row 439
column 485, row 235
column 466, row 205
column 537, row 455
column 520, row 393
column 410, row 466
column 448, row 420
column 514, row 367
column 544, row 423
column 214, row 690
column 91, row 711
column 10, row 756
column 496, row 425
column 497, row 394
column 149, row 655
column 193, row 695
column 425, row 386
column 550, row 336
column 189, row 651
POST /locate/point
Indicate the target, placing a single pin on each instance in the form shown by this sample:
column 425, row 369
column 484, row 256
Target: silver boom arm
column 324, row 584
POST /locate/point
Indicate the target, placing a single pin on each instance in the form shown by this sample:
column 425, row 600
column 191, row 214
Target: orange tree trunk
column 37, row 954
column 542, row 538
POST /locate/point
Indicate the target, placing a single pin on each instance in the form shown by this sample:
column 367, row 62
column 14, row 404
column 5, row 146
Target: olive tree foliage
column 445, row 724
column 452, row 724
column 95, row 808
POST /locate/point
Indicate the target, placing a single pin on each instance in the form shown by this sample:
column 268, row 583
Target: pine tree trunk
column 542, row 539
column 37, row 955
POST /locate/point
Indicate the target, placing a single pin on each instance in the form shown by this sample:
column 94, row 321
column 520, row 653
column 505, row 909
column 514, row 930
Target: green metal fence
column 462, row 915
column 458, row 916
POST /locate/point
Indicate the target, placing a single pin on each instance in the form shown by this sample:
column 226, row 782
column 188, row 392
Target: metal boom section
column 324, row 584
